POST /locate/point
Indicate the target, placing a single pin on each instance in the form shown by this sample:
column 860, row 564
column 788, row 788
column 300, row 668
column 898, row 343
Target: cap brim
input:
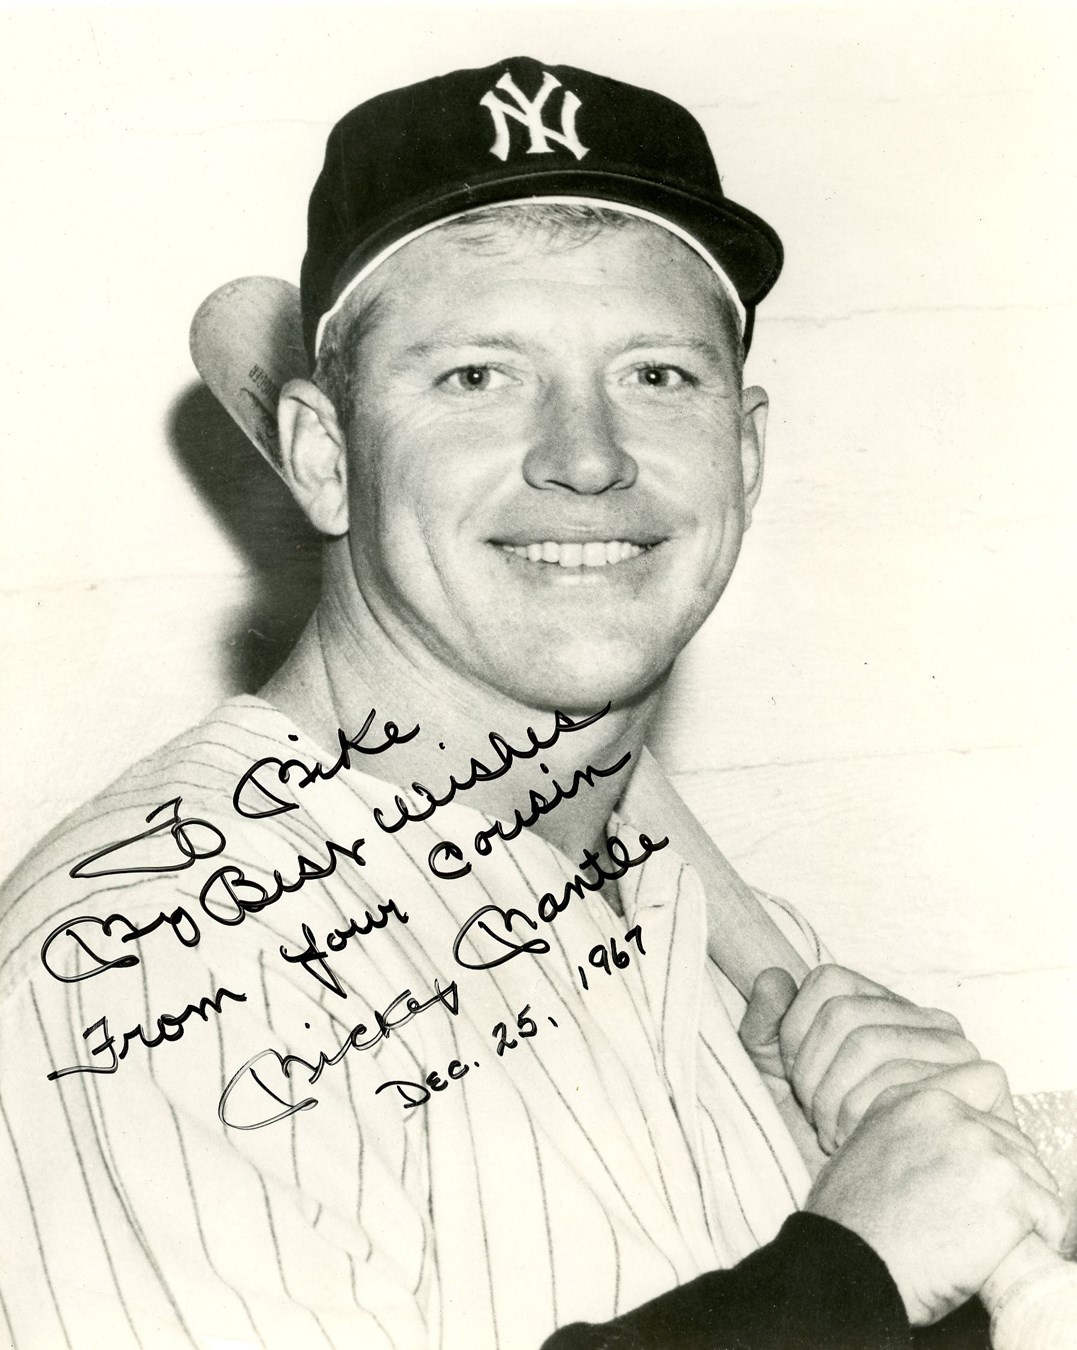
column 748, row 250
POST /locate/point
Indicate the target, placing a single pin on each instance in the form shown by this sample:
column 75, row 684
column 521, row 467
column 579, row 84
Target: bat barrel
column 246, row 343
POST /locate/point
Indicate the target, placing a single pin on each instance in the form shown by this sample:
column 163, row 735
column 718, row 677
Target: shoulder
column 137, row 836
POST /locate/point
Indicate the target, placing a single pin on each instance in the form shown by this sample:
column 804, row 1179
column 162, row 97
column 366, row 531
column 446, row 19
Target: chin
column 585, row 677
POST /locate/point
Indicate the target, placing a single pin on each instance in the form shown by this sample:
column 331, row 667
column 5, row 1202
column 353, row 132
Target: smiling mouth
column 594, row 553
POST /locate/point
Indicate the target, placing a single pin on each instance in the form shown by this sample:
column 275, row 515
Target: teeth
column 571, row 555
column 595, row 553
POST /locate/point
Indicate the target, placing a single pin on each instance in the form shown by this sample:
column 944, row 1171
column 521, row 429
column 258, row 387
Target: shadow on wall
column 256, row 511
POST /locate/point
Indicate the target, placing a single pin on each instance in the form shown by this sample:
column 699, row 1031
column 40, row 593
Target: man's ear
column 753, row 429
column 314, row 458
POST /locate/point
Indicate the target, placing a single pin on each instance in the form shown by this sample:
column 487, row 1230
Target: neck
column 345, row 665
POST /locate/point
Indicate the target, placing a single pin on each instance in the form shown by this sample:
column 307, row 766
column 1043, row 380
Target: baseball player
column 379, row 1010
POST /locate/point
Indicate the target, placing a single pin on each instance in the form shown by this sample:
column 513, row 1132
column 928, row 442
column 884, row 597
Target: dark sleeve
column 969, row 1328
column 817, row 1286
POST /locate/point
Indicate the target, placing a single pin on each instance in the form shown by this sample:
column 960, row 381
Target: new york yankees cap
column 407, row 160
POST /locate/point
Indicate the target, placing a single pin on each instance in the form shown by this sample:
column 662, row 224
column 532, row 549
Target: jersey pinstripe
column 623, row 1146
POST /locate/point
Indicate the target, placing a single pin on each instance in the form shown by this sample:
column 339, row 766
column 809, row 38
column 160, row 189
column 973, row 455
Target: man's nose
column 577, row 443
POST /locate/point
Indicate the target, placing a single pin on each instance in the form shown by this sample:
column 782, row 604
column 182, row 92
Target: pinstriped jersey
column 271, row 1078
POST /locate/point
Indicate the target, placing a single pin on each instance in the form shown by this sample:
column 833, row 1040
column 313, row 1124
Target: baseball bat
column 246, row 343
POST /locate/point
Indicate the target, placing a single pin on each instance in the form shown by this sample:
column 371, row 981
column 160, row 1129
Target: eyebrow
column 461, row 338
column 678, row 341
column 506, row 342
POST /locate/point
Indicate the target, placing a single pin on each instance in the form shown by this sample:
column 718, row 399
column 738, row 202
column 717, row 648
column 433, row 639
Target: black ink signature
column 224, row 886
column 184, row 929
column 169, row 1028
column 349, row 745
column 313, row 958
column 478, row 772
column 227, row 897
column 414, row 1093
column 602, row 953
column 180, row 830
column 418, row 1094
column 541, row 806
column 448, row 997
column 549, row 905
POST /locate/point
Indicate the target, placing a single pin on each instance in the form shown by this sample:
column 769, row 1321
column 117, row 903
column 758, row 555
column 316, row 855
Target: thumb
column 1049, row 1218
column 773, row 992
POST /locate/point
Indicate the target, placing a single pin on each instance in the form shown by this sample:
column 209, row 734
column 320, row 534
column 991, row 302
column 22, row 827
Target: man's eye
column 661, row 377
column 472, row 379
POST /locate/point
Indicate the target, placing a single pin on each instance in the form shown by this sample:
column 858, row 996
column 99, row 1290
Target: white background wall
column 878, row 722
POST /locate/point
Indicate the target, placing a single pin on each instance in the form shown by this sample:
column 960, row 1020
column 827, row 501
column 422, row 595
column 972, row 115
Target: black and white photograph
column 538, row 677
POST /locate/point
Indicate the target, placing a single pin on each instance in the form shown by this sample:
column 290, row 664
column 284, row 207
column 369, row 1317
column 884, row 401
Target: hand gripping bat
column 246, row 343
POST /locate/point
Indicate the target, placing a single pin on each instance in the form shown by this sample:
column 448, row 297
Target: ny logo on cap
column 529, row 112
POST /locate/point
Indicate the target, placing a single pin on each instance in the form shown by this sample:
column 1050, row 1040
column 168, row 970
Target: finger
column 854, row 1029
column 950, row 1109
column 870, row 1060
column 1028, row 1192
column 821, row 984
column 1010, row 1141
column 833, row 1128
column 983, row 1085
column 773, row 992
column 1004, row 1138
column 984, row 1140
column 975, row 1089
column 1044, row 1212
column 1036, row 1171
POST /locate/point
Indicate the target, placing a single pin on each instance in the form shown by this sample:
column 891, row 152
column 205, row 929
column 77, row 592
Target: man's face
column 547, row 458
